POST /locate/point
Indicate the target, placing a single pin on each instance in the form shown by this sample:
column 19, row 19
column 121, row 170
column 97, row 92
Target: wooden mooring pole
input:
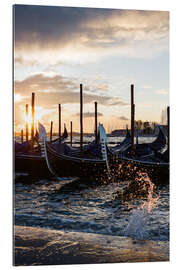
column 168, row 124
column 59, row 122
column 32, row 124
column 81, row 118
column 27, row 128
column 51, row 129
column 96, row 137
column 71, row 133
column 22, row 135
column 132, row 116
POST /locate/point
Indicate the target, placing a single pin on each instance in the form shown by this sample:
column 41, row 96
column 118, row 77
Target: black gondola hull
column 34, row 164
column 64, row 165
column 157, row 171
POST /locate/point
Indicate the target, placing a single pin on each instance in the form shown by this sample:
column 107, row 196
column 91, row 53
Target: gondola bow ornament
column 103, row 142
column 43, row 135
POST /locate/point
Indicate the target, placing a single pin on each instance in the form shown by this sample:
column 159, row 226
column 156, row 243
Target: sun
column 37, row 117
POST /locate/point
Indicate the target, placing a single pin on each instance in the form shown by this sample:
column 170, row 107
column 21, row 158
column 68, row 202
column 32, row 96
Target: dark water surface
column 58, row 205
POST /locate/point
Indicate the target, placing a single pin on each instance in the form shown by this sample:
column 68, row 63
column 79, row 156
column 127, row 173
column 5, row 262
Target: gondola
column 155, row 164
column 140, row 149
column 27, row 161
column 122, row 146
column 151, row 158
column 93, row 161
column 154, row 147
column 32, row 162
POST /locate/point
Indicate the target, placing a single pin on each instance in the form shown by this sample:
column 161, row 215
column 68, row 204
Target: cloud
column 60, row 33
column 162, row 92
column 89, row 114
column 42, row 83
column 147, row 87
column 20, row 61
column 93, row 87
column 18, row 98
column 123, row 118
column 56, row 89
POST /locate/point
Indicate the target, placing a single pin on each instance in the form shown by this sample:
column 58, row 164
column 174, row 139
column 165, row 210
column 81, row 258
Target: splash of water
column 137, row 225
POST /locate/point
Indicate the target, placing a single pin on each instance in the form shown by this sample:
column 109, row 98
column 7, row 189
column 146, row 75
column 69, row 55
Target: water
column 72, row 205
column 91, row 209
column 90, row 138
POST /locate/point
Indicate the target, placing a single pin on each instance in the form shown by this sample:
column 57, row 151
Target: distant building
column 147, row 130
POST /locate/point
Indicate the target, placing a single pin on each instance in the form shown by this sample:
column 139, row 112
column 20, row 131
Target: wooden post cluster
column 168, row 124
column 27, row 128
column 81, row 118
column 22, row 135
column 51, row 130
column 32, row 124
column 132, row 116
column 59, row 123
column 96, row 137
column 71, row 132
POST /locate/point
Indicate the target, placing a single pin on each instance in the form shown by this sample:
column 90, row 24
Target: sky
column 58, row 48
